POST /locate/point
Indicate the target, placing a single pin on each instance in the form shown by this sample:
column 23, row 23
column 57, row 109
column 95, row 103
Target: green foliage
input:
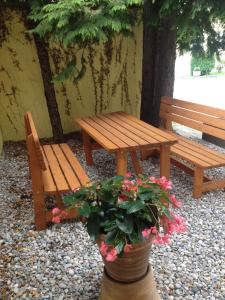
column 121, row 208
column 204, row 63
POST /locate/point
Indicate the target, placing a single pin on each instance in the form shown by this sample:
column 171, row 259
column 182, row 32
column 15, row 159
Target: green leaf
column 93, row 227
column 110, row 237
column 135, row 206
column 126, row 225
column 119, row 246
column 85, row 210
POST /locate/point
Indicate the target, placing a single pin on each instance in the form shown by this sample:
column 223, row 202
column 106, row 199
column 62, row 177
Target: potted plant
column 124, row 215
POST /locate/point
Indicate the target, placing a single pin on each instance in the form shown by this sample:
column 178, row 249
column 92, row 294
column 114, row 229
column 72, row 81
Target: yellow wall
column 111, row 82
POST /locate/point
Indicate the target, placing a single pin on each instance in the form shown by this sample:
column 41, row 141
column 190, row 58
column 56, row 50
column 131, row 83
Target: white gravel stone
column 62, row 263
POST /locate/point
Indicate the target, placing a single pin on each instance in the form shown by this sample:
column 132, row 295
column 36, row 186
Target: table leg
column 87, row 148
column 135, row 162
column 121, row 162
column 165, row 161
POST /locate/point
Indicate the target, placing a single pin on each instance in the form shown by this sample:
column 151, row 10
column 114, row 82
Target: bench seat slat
column 77, row 168
column 218, row 157
column 65, row 165
column 55, row 169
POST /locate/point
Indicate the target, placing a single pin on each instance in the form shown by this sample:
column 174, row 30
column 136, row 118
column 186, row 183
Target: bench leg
column 87, row 148
column 135, row 162
column 39, row 211
column 121, row 162
column 198, row 182
column 59, row 202
column 165, row 161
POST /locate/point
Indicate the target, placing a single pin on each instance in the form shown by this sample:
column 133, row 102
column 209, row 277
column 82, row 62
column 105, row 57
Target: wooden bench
column 54, row 169
column 202, row 118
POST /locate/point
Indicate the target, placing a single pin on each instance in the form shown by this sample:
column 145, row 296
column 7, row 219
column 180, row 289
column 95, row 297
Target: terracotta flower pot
column 132, row 266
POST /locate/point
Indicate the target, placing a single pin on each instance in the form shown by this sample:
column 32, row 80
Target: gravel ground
column 62, row 263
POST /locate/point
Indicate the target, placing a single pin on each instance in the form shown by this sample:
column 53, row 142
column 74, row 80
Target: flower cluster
column 58, row 215
column 126, row 211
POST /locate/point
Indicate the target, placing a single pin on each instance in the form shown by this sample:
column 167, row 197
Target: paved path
column 208, row 90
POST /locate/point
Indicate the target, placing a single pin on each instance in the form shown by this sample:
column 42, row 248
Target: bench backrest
column 33, row 142
column 197, row 116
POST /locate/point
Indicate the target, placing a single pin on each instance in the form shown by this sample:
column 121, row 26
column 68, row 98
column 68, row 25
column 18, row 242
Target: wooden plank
column 198, row 182
column 87, row 148
column 197, row 116
column 194, row 124
column 137, row 132
column 49, row 185
column 186, row 168
column 135, row 162
column 165, row 161
column 188, row 151
column 97, row 136
column 194, row 106
column 190, row 158
column 156, row 133
column 65, row 166
column 111, row 137
column 216, row 184
column 37, row 187
column 155, row 140
column 81, row 175
column 124, row 129
column 219, row 157
column 55, row 169
column 121, row 135
column 37, row 144
column 121, row 162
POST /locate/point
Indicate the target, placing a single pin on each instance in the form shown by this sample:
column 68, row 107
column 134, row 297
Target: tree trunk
column 148, row 63
column 49, row 88
column 159, row 55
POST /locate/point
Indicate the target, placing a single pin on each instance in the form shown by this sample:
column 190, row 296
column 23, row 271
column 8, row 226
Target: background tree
column 183, row 25
column 25, row 7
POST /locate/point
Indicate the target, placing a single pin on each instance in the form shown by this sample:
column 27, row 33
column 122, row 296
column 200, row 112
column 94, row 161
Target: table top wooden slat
column 96, row 135
column 133, row 133
column 111, row 137
column 120, row 130
column 154, row 131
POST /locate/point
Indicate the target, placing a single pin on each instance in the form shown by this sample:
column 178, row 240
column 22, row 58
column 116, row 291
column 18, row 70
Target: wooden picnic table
column 121, row 133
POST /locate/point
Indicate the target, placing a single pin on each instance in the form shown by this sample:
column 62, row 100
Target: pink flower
column 128, row 175
column 56, row 219
column 146, row 232
column 112, row 255
column 162, row 239
column 55, row 211
column 103, row 249
column 127, row 248
column 139, row 181
column 152, row 179
column 175, row 202
column 154, row 230
column 165, row 184
column 121, row 198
